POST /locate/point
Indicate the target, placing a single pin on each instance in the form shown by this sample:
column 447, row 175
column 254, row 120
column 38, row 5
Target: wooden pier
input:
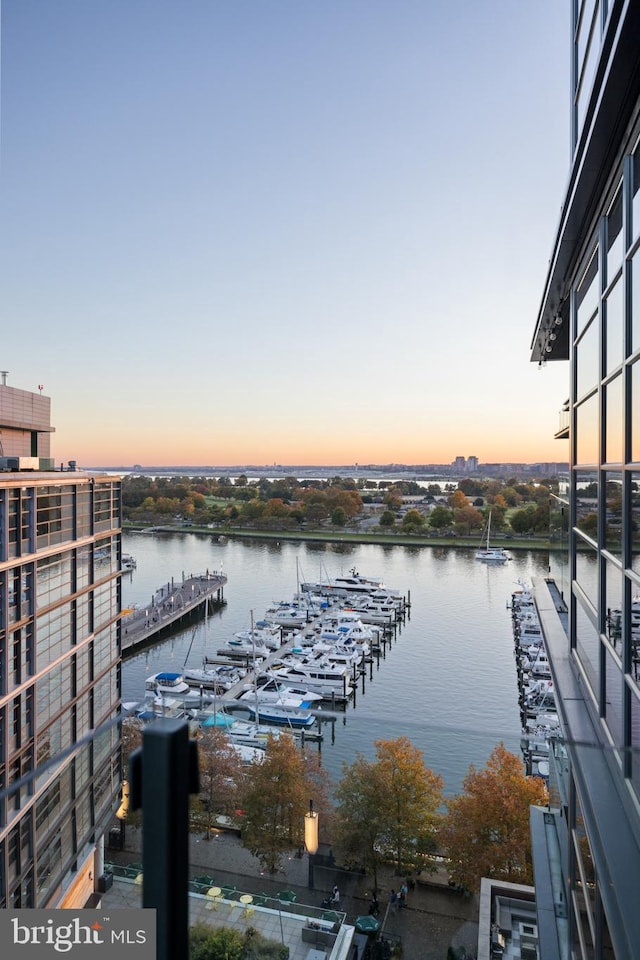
column 173, row 604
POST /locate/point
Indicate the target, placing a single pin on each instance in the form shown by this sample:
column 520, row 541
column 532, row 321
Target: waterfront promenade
column 170, row 606
column 435, row 919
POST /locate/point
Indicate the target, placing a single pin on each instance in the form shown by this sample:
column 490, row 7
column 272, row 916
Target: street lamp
column 311, row 838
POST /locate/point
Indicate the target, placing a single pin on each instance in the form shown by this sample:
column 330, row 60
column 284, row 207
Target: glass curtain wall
column 59, row 665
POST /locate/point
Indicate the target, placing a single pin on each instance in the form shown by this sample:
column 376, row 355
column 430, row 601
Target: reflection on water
column 448, row 680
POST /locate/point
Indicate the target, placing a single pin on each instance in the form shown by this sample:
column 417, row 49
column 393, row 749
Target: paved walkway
column 172, row 603
column 435, row 917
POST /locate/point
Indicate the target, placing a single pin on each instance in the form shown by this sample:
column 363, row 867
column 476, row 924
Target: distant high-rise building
column 459, row 464
column 60, row 606
column 472, row 464
column 587, row 845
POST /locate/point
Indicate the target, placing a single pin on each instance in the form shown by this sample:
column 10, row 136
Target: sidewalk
column 434, row 919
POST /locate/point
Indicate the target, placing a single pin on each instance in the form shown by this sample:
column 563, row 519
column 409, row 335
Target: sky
column 283, row 231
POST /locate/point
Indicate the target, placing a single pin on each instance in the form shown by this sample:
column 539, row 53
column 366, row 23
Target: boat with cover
column 162, row 683
column 289, row 711
column 489, row 554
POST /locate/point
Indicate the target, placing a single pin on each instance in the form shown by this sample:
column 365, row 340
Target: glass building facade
column 59, row 682
column 590, row 318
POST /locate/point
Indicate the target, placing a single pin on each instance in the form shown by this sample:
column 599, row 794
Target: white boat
column 319, row 675
column 214, row 678
column 128, row 562
column 343, row 586
column 289, row 711
column 264, row 633
column 375, row 613
column 273, row 690
column 165, row 683
column 489, row 554
column 238, row 730
column 290, row 616
column 244, row 644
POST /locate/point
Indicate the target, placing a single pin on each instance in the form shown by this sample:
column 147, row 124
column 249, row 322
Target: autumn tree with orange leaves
column 388, row 808
column 275, row 798
column 221, row 781
column 486, row 828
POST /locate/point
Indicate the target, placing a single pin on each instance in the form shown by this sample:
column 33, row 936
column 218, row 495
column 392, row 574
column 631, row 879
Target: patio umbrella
column 367, row 924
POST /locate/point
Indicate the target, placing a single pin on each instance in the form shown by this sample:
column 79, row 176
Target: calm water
column 448, row 681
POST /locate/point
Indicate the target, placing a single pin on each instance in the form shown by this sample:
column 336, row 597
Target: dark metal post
column 162, row 776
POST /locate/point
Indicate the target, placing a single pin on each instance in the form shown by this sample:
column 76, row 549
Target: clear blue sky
column 257, row 231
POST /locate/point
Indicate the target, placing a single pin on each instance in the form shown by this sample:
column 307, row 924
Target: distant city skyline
column 304, row 233
column 306, row 468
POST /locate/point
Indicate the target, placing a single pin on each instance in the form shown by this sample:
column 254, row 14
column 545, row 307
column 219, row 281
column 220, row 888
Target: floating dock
column 172, row 605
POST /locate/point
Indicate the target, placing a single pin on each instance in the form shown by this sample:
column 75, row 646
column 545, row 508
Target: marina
column 444, row 677
column 536, row 693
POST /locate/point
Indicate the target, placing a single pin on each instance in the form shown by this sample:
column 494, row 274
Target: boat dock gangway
column 172, row 604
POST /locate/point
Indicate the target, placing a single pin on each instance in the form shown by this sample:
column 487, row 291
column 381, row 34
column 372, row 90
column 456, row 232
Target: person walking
column 404, row 890
column 335, row 897
column 393, row 901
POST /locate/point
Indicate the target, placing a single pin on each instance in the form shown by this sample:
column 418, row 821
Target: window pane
column 615, row 327
column 613, row 529
column 635, row 522
column 614, row 698
column 613, row 441
column 588, row 360
column 613, row 602
column 635, row 412
column 635, row 743
column 586, row 19
column 635, row 300
column 614, row 239
column 586, row 499
column 588, row 295
column 586, row 79
column 588, row 648
column 587, row 572
column 635, row 216
column 587, row 446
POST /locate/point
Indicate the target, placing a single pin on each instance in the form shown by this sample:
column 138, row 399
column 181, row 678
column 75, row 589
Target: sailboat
column 489, row 554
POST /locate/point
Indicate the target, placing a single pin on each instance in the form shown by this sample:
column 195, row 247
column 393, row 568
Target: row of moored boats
column 277, row 675
column 539, row 716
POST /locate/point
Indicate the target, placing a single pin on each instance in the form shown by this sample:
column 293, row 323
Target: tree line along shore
column 345, row 510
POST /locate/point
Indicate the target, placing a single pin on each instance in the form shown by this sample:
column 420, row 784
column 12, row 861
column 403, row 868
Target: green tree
column 522, row 520
column 486, row 828
column 338, row 517
column 219, row 943
column 387, row 808
column 440, row 518
column 387, row 519
column 275, row 799
column 413, row 521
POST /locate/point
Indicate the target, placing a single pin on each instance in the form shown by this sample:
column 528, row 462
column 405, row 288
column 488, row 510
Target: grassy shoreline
column 395, row 538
